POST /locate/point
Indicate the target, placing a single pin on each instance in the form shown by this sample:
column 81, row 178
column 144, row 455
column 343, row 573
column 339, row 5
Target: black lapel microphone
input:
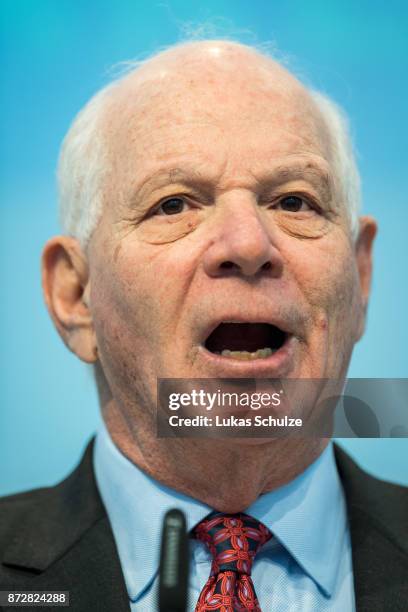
column 174, row 563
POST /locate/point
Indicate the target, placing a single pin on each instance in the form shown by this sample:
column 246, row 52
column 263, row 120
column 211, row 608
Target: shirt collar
column 136, row 505
column 307, row 516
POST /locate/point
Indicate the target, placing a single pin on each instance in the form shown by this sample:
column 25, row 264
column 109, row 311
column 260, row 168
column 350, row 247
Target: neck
column 227, row 475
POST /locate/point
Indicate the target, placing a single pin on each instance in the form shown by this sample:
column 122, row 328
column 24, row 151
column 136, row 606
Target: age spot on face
column 116, row 252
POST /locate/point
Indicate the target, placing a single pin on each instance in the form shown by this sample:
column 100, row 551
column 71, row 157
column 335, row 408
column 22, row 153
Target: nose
column 242, row 244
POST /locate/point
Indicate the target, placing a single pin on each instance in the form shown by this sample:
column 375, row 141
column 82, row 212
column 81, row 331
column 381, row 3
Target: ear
column 66, row 287
column 363, row 253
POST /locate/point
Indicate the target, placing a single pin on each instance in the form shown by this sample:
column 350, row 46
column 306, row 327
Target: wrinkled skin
column 231, row 135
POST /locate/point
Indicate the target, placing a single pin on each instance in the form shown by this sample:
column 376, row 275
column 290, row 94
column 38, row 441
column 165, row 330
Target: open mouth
column 245, row 341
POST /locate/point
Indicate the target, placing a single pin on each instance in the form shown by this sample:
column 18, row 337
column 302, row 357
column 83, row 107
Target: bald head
column 206, row 60
column 206, row 81
column 209, row 82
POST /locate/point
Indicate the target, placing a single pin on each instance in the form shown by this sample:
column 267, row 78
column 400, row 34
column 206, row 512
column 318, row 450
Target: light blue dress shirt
column 306, row 566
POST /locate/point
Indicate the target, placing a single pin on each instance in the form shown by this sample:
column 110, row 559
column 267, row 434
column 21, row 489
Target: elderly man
column 209, row 202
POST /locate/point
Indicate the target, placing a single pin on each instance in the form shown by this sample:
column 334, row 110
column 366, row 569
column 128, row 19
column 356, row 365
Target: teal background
column 54, row 56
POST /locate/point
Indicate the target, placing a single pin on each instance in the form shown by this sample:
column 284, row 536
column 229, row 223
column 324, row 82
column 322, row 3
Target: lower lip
column 277, row 365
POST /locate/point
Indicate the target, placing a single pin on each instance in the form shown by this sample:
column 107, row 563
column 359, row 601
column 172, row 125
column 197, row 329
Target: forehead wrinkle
column 209, row 187
column 285, row 171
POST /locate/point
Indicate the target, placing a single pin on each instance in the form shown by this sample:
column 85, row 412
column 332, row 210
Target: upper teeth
column 245, row 355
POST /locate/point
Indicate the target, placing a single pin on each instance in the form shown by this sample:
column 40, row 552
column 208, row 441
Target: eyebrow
column 190, row 177
column 307, row 170
column 300, row 169
column 173, row 175
column 282, row 172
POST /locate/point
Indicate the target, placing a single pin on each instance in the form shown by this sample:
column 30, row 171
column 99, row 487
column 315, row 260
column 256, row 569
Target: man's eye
column 172, row 206
column 293, row 204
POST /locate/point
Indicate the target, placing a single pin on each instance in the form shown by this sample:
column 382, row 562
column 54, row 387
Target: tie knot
column 233, row 540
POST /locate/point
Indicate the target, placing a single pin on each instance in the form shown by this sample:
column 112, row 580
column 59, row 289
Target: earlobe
column 65, row 280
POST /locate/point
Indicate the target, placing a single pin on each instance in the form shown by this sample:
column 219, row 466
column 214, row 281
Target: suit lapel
column 65, row 542
column 378, row 519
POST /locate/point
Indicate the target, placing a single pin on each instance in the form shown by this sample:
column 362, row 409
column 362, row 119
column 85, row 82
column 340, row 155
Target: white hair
column 83, row 160
column 345, row 166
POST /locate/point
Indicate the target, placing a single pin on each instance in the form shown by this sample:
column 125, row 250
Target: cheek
column 140, row 288
column 121, row 319
column 327, row 276
column 120, row 301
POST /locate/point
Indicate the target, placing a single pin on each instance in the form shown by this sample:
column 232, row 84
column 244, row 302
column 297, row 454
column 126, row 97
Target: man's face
column 222, row 231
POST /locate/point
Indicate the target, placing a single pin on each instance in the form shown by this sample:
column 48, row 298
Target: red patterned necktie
column 233, row 540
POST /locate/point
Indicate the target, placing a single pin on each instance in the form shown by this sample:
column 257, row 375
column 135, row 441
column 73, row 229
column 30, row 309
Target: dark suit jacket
column 59, row 538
